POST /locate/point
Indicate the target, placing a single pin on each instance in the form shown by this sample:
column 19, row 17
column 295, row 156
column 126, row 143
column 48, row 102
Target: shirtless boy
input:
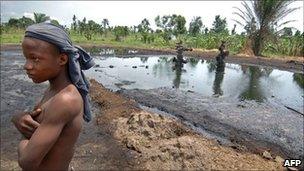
column 52, row 128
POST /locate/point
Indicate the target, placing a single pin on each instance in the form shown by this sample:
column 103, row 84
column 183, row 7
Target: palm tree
column 74, row 25
column 39, row 17
column 261, row 20
column 195, row 26
column 105, row 23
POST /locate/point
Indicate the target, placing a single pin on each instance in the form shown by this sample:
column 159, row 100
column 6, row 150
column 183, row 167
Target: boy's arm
column 25, row 123
column 31, row 152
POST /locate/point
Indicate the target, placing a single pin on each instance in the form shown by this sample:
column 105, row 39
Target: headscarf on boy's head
column 79, row 59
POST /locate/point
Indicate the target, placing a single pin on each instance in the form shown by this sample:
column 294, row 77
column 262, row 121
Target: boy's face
column 43, row 60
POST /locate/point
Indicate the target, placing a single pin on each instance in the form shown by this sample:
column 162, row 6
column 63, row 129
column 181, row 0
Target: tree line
column 259, row 20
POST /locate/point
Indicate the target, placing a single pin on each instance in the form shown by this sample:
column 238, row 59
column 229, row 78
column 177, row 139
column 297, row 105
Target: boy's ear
column 63, row 58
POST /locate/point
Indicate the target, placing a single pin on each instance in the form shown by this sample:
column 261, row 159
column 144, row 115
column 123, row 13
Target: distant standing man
column 223, row 52
column 222, row 47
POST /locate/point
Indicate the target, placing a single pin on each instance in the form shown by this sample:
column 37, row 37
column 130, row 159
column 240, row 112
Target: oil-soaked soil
column 256, row 126
column 162, row 143
column 122, row 135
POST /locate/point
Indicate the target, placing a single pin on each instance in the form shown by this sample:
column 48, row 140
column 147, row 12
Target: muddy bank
column 293, row 64
column 161, row 142
column 257, row 127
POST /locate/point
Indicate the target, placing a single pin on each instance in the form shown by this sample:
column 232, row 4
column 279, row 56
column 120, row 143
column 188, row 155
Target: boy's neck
column 60, row 82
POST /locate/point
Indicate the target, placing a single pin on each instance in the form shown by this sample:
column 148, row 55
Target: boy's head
column 43, row 60
column 48, row 50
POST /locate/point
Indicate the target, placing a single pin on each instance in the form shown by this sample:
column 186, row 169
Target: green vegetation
column 172, row 28
column 261, row 19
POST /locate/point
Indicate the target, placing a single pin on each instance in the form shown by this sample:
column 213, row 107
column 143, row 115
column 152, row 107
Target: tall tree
column 144, row 26
column 13, row 22
column 178, row 23
column 298, row 33
column 20, row 23
column 105, row 25
column 233, row 30
column 82, row 25
column 171, row 25
column 74, row 25
column 39, row 17
column 195, row 26
column 262, row 19
column 90, row 29
column 206, row 30
column 219, row 25
column 120, row 32
column 144, row 29
column 164, row 23
column 25, row 21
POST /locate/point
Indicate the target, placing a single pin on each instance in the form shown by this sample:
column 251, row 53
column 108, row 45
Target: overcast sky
column 129, row 13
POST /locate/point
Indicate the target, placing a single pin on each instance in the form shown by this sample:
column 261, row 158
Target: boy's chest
column 39, row 118
column 43, row 105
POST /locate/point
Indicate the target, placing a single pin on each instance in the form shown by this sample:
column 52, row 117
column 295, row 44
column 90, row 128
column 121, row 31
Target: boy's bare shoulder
column 66, row 105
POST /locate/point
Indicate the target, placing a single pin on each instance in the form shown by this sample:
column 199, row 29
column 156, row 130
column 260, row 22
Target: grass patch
column 133, row 40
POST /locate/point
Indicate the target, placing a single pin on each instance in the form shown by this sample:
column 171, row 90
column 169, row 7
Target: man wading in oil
column 51, row 130
column 180, row 50
column 223, row 53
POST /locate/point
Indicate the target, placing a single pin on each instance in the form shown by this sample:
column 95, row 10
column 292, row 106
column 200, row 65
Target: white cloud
column 29, row 15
